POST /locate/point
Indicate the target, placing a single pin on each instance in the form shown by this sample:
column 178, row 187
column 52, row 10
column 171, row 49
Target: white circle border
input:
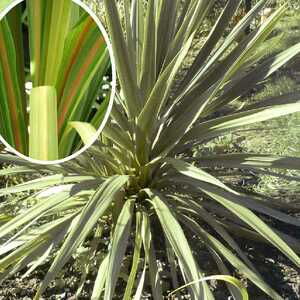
column 113, row 89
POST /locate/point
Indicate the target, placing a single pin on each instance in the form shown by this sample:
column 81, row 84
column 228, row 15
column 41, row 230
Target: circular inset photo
column 57, row 78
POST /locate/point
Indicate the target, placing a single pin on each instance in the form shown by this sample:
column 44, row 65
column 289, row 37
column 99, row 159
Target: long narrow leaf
column 93, row 210
column 119, row 245
column 43, row 141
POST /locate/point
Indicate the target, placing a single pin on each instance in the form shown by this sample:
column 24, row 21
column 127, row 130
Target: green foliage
column 67, row 53
column 138, row 181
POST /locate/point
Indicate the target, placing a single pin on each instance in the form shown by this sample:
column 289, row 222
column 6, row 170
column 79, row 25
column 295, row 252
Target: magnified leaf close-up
column 55, row 69
column 158, row 207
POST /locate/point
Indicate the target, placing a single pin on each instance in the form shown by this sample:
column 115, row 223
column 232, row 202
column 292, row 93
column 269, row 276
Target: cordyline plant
column 137, row 183
column 68, row 61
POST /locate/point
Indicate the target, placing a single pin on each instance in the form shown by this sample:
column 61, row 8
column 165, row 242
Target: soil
column 273, row 266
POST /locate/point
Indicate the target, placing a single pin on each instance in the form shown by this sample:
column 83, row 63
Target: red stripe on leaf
column 75, row 52
column 76, row 83
column 11, row 94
